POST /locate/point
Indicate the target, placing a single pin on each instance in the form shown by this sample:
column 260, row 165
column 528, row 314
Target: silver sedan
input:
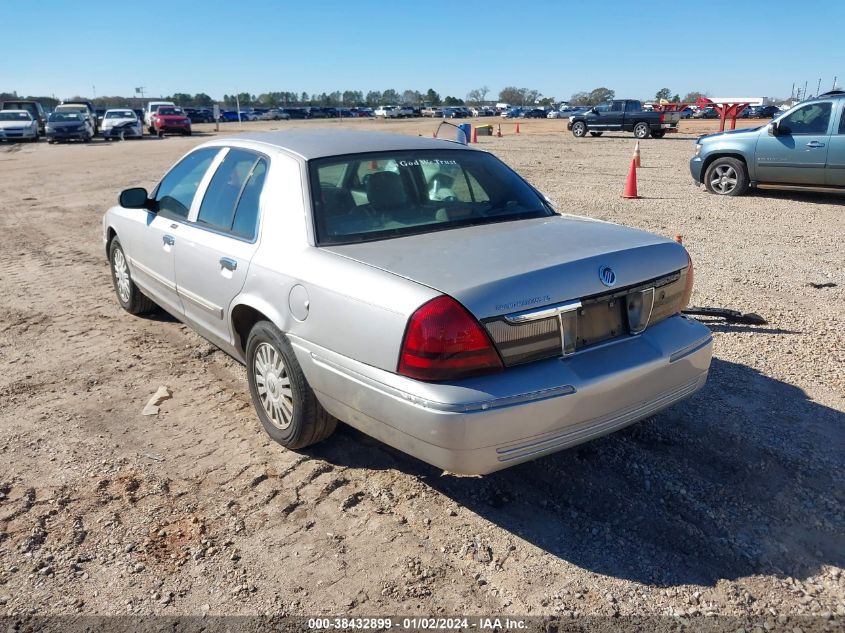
column 416, row 289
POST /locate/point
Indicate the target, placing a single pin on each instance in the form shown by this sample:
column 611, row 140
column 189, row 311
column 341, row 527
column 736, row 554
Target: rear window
column 384, row 195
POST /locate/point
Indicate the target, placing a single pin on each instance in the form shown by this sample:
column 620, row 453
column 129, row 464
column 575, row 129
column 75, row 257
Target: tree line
column 373, row 98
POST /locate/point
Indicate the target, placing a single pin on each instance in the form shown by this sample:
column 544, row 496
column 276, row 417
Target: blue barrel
column 466, row 128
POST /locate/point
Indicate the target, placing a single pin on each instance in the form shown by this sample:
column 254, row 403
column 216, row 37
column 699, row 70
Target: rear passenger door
column 219, row 242
column 835, row 168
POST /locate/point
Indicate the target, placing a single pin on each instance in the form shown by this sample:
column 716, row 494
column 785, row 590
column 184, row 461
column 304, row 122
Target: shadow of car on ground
column 744, row 478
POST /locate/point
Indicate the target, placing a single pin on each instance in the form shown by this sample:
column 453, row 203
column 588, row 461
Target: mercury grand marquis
column 416, row 289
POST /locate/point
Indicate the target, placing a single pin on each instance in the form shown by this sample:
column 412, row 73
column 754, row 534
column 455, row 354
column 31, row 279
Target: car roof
column 320, row 143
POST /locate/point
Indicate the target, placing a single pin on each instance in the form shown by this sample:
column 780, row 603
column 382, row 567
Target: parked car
column 199, row 115
column 453, row 112
column 229, row 115
column 706, row 113
column 326, row 288
column 100, row 113
column 387, row 112
column 85, row 107
column 297, row 113
column 150, row 110
column 275, row 114
column 170, row 119
column 432, row 111
column 33, row 107
column 623, row 115
column 69, row 125
column 511, row 113
column 121, row 123
column 686, row 113
column 801, row 149
column 18, row 125
column 534, row 113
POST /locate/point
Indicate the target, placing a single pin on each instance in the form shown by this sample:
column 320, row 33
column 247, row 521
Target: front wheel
column 283, row 399
column 579, row 129
column 642, row 130
column 128, row 296
column 726, row 177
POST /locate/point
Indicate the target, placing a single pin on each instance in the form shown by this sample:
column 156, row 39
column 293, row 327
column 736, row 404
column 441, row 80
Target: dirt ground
column 729, row 503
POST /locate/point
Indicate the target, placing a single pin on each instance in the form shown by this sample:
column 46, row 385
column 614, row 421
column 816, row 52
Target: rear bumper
column 484, row 424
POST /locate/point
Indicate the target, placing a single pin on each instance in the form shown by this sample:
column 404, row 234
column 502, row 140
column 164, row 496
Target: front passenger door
column 798, row 154
column 216, row 248
column 154, row 240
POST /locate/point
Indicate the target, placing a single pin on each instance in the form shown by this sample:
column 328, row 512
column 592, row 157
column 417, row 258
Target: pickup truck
column 623, row 115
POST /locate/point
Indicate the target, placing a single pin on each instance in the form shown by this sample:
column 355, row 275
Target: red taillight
column 662, row 117
column 685, row 298
column 444, row 342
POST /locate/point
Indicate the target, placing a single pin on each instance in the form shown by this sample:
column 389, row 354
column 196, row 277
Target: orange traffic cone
column 517, row 127
column 434, row 134
column 679, row 239
column 499, row 131
column 637, row 154
column 631, row 183
column 475, row 134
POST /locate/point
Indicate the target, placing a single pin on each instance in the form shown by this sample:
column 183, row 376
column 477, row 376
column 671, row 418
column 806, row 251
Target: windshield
column 169, row 111
column 15, row 116
column 65, row 116
column 383, row 195
column 120, row 114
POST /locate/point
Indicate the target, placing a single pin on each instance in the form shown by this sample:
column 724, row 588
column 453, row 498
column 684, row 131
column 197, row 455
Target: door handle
column 228, row 263
column 815, row 144
column 169, row 240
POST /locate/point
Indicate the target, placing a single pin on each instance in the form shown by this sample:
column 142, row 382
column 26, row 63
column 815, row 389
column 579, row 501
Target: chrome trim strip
column 689, row 349
column 153, row 275
column 600, row 426
column 197, row 300
column 542, row 313
column 445, row 407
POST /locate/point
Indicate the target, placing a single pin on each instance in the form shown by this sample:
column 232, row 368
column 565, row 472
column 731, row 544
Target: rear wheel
column 642, row 130
column 579, row 129
column 726, row 177
column 283, row 399
column 658, row 133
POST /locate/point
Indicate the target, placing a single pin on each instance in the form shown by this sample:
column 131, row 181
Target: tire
column 658, row 133
column 596, row 133
column 642, row 130
column 186, row 133
column 297, row 419
column 726, row 177
column 579, row 129
column 128, row 295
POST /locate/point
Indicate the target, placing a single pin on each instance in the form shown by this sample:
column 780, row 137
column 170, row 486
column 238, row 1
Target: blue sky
column 743, row 48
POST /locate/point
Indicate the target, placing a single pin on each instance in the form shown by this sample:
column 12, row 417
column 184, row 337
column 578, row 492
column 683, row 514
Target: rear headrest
column 385, row 191
column 336, row 201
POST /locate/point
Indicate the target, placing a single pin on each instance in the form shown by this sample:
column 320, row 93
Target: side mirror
column 134, row 198
column 772, row 128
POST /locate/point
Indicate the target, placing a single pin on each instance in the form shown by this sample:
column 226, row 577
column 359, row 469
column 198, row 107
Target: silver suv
column 802, row 149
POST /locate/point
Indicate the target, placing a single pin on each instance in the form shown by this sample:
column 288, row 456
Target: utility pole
column 805, row 88
column 834, row 83
column 819, row 87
